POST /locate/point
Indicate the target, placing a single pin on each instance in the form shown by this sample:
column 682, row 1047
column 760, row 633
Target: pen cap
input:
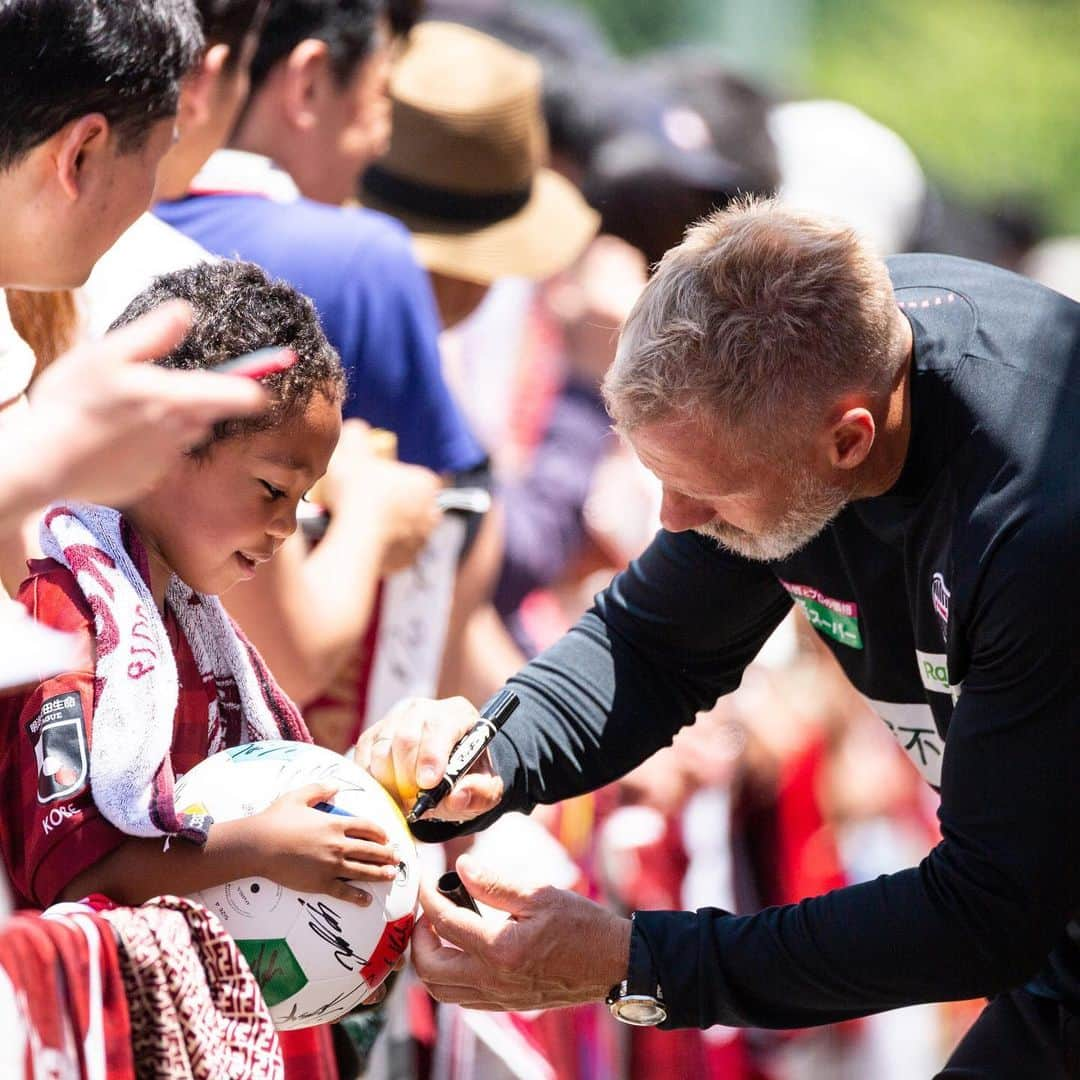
column 452, row 887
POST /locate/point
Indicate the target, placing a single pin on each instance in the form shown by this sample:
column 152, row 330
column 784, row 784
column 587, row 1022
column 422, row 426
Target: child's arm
column 289, row 842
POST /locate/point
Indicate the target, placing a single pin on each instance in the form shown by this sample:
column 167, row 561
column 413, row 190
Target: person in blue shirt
column 317, row 116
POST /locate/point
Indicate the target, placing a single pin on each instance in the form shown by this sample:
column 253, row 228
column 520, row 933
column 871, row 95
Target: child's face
column 216, row 517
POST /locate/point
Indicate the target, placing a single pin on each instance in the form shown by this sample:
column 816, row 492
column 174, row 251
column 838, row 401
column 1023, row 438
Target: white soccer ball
column 314, row 956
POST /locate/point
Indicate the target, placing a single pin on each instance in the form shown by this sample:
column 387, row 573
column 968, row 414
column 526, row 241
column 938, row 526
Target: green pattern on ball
column 276, row 969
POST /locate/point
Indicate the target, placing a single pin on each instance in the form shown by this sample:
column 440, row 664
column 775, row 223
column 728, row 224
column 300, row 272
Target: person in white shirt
column 212, row 95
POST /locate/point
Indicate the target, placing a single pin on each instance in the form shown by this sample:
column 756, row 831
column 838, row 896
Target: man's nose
column 679, row 513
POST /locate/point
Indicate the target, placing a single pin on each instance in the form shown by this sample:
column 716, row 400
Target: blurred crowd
column 471, row 193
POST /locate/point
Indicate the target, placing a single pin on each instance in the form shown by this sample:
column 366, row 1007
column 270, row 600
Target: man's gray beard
column 814, row 505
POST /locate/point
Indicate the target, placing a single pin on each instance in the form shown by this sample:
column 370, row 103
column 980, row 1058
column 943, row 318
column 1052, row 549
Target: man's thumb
column 474, row 794
column 486, row 888
column 154, row 334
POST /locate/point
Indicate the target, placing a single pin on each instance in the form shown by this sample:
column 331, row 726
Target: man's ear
column 76, row 143
column 850, row 437
column 197, row 89
column 305, row 74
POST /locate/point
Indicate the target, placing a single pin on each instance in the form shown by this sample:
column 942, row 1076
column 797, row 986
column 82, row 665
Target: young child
column 88, row 758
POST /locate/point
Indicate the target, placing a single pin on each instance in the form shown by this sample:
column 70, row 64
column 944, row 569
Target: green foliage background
column 987, row 92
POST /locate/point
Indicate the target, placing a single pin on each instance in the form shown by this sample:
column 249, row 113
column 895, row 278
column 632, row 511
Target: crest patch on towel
column 58, row 734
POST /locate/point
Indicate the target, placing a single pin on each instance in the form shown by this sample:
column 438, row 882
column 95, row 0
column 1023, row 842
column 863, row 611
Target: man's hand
column 556, row 948
column 103, row 426
column 409, row 747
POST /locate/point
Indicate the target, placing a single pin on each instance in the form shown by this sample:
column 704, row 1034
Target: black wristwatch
column 638, row 999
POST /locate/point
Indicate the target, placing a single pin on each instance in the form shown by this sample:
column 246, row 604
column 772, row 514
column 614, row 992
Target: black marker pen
column 467, row 752
column 453, row 888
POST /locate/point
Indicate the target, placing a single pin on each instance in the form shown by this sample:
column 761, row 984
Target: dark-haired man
column 211, row 97
column 88, row 97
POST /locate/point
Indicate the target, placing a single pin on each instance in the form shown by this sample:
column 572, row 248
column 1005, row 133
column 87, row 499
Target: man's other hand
column 555, row 947
column 104, row 426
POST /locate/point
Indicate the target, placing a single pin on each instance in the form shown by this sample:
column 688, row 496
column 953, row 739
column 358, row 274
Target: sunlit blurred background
column 984, row 91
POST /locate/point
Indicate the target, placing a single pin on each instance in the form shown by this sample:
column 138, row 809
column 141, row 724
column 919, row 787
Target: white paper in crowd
column 413, row 622
column 473, row 500
column 12, row 1030
column 30, row 652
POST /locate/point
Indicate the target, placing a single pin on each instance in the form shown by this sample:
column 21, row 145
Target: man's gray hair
column 761, row 317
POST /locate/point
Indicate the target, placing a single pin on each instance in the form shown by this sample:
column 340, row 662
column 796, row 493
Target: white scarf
column 136, row 686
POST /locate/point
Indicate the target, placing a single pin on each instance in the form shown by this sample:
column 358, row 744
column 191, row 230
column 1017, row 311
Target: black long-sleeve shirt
column 953, row 604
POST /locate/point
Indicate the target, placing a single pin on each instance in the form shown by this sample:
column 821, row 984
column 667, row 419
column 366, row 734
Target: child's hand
column 311, row 851
column 400, row 498
column 408, row 510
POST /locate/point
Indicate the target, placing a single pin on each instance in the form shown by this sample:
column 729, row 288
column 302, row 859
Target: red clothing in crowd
column 50, row 828
column 64, row 1002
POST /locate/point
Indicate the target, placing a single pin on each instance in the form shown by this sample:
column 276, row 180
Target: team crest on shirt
column 939, row 596
column 58, row 734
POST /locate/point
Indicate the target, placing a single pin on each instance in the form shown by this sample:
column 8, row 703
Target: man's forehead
column 685, row 453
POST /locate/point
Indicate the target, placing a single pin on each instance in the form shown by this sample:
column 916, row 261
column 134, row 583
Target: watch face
column 639, row 1010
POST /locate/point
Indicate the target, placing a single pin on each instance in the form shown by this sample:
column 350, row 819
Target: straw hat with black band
column 465, row 167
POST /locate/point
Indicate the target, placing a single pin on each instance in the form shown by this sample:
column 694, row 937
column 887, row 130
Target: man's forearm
column 880, row 945
column 632, row 672
column 559, row 743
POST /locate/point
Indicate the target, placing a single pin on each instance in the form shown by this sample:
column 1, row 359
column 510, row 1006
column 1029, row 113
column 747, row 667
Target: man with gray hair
column 893, row 446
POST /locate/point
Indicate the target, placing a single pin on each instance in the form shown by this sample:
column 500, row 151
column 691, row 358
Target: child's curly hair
column 238, row 309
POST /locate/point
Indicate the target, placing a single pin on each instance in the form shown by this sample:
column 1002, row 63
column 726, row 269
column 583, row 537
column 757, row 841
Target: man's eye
column 304, row 498
column 273, row 492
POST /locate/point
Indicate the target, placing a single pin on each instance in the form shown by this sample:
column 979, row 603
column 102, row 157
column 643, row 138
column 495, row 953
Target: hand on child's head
column 105, row 426
column 236, row 309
